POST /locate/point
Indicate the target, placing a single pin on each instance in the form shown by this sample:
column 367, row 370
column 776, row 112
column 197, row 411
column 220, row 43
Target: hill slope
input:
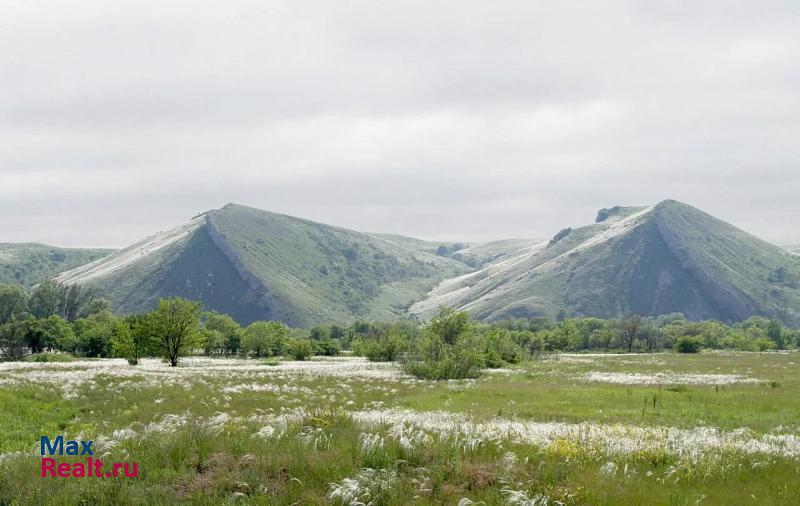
column 256, row 264
column 655, row 260
column 28, row 264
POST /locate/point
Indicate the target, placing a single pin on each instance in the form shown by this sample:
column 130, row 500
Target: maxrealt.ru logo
column 91, row 468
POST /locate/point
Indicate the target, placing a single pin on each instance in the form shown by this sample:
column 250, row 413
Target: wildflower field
column 710, row 428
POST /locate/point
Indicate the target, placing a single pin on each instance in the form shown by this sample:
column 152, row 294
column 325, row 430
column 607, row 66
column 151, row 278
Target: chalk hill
column 254, row 264
column 654, row 260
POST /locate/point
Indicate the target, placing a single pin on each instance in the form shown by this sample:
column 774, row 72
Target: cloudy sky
column 447, row 120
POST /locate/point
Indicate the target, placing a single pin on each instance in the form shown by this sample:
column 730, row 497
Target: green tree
column 565, row 337
column 122, row 343
column 13, row 302
column 589, row 328
column 71, row 302
column 775, row 333
column 449, row 324
column 45, row 299
column 265, row 338
column 76, row 300
column 96, row 306
column 629, row 330
column 319, row 332
column 93, row 335
column 47, row 333
column 12, row 339
column 174, row 327
column 213, row 341
column 223, row 334
column 131, row 339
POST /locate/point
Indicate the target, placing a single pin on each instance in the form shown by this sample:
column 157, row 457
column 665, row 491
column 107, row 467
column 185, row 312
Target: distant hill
column 255, row 264
column 28, row 264
column 472, row 255
column 652, row 260
column 480, row 255
column 412, row 243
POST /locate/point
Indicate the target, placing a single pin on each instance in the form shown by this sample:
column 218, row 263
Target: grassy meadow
column 710, row 428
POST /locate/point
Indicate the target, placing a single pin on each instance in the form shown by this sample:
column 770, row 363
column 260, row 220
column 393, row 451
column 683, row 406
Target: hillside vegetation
column 27, row 264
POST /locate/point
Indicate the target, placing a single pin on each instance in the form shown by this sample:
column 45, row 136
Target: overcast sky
column 463, row 120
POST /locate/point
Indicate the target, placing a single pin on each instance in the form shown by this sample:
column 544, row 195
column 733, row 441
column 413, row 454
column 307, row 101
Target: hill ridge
column 670, row 257
column 30, row 263
column 258, row 264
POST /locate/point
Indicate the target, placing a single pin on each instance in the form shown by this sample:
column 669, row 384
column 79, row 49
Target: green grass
column 547, row 391
column 27, row 413
column 200, row 462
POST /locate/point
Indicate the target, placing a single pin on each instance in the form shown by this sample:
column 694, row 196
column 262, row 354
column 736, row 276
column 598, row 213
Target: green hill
column 255, row 264
column 655, row 260
column 412, row 243
column 28, row 264
column 493, row 252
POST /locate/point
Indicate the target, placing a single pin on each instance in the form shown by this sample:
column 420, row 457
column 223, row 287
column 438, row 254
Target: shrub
column 436, row 360
column 387, row 349
column 501, row 349
column 492, row 359
column 738, row 341
column 327, row 347
column 301, row 349
column 764, row 344
column 689, row 344
column 49, row 357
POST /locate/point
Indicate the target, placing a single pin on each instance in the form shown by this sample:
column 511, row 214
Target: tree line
column 72, row 320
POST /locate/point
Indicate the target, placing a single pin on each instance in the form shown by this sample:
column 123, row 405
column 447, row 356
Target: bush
column 689, row 344
column 49, row 357
column 435, row 360
column 327, row 347
column 764, row 344
column 738, row 341
column 492, row 359
column 386, row 349
column 301, row 349
column 501, row 349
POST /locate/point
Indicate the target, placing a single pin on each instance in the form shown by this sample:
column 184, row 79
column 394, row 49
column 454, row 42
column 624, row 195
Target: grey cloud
column 464, row 120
